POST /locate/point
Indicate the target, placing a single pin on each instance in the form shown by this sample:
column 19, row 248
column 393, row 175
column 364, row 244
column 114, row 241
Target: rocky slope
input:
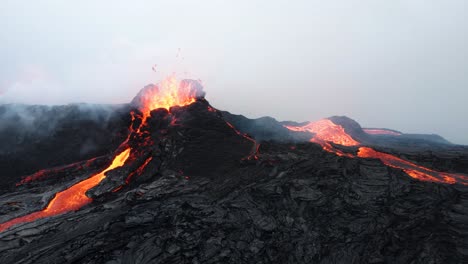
column 208, row 196
column 290, row 206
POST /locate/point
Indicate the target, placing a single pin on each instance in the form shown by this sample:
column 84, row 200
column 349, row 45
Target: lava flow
column 413, row 170
column 170, row 92
column 325, row 131
column 70, row 199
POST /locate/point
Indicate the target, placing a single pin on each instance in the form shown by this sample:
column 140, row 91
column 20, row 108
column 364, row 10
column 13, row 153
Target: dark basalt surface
column 205, row 198
column 290, row 206
column 265, row 128
column 34, row 137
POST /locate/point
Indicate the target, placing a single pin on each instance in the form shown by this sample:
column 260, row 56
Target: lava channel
column 70, row 199
column 326, row 131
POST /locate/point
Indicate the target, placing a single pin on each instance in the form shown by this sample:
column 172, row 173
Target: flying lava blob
column 325, row 131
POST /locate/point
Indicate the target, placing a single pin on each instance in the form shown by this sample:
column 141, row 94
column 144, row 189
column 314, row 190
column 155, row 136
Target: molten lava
column 325, row 131
column 169, row 92
column 72, row 198
column 413, row 170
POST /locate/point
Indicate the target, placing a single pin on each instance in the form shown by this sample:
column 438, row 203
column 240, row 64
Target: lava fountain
column 168, row 93
column 325, row 131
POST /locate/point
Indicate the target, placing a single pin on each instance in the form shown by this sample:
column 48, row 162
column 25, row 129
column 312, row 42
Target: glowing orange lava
column 326, row 131
column 412, row 169
column 169, row 92
column 72, row 198
column 375, row 131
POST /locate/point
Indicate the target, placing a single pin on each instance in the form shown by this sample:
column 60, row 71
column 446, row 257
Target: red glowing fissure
column 326, row 131
column 256, row 146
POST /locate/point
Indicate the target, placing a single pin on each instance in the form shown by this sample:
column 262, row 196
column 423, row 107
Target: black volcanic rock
column 265, row 128
column 350, row 126
column 290, row 206
column 41, row 137
column 208, row 141
column 206, row 196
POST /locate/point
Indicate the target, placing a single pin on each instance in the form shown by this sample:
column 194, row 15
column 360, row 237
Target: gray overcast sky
column 396, row 64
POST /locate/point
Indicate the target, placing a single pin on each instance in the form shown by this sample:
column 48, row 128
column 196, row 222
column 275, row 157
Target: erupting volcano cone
column 165, row 115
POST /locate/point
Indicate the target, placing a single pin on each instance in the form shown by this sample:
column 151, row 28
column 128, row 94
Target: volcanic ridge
column 168, row 178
